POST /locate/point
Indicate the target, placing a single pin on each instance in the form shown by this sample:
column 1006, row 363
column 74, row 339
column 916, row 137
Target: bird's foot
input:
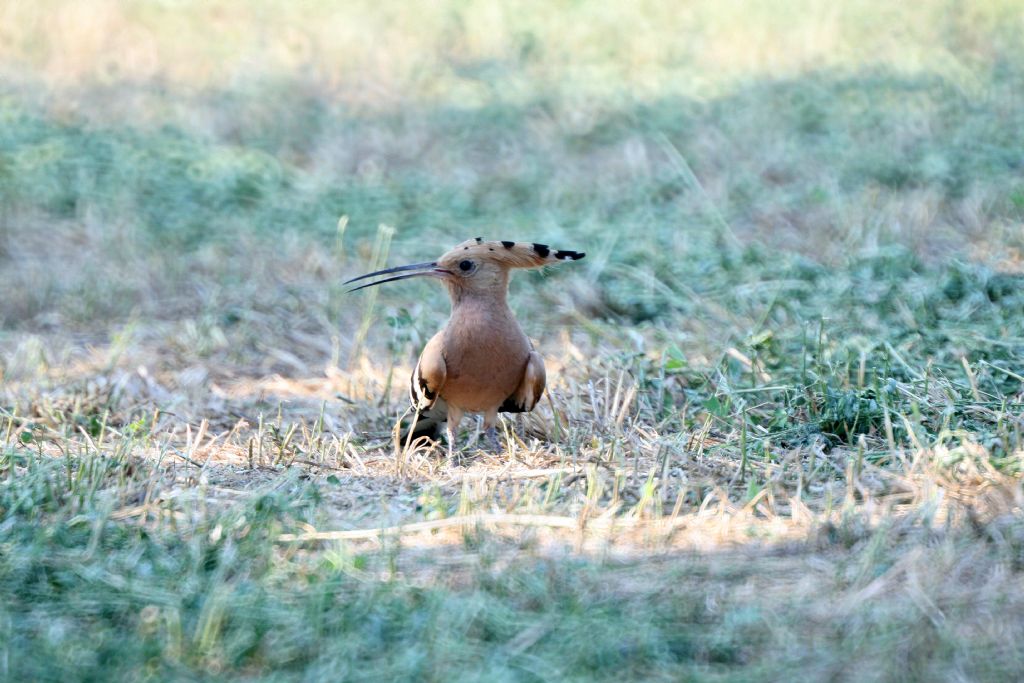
column 491, row 434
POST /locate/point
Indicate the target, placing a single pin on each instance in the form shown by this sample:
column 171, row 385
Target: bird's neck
column 491, row 293
column 491, row 301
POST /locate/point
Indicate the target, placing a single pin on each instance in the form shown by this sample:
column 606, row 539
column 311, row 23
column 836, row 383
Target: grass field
column 783, row 433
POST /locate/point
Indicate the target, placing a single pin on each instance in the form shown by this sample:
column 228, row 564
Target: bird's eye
column 465, row 266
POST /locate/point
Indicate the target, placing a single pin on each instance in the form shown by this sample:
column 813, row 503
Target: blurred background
column 202, row 175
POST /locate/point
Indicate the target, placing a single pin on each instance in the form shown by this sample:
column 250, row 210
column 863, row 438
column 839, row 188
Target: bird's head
column 477, row 266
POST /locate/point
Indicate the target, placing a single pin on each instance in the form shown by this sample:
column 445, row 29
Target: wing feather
column 424, row 389
column 530, row 389
column 429, row 375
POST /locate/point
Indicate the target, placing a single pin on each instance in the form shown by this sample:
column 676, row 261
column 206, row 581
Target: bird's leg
column 454, row 418
column 490, row 432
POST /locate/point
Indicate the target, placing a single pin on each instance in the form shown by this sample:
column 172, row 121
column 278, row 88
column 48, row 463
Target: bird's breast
column 485, row 363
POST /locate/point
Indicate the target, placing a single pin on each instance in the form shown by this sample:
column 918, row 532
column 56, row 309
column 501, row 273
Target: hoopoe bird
column 481, row 361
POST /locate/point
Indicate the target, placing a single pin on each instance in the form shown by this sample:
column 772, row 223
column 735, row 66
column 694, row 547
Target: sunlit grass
column 374, row 53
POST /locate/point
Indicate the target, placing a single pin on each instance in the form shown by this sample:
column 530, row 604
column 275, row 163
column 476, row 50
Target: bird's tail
column 428, row 422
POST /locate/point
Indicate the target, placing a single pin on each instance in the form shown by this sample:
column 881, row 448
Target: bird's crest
column 511, row 254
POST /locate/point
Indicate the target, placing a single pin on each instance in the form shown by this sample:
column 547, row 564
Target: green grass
column 784, row 434
column 206, row 593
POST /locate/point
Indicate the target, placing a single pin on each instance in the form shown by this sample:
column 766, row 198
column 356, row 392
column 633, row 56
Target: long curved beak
column 429, row 269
